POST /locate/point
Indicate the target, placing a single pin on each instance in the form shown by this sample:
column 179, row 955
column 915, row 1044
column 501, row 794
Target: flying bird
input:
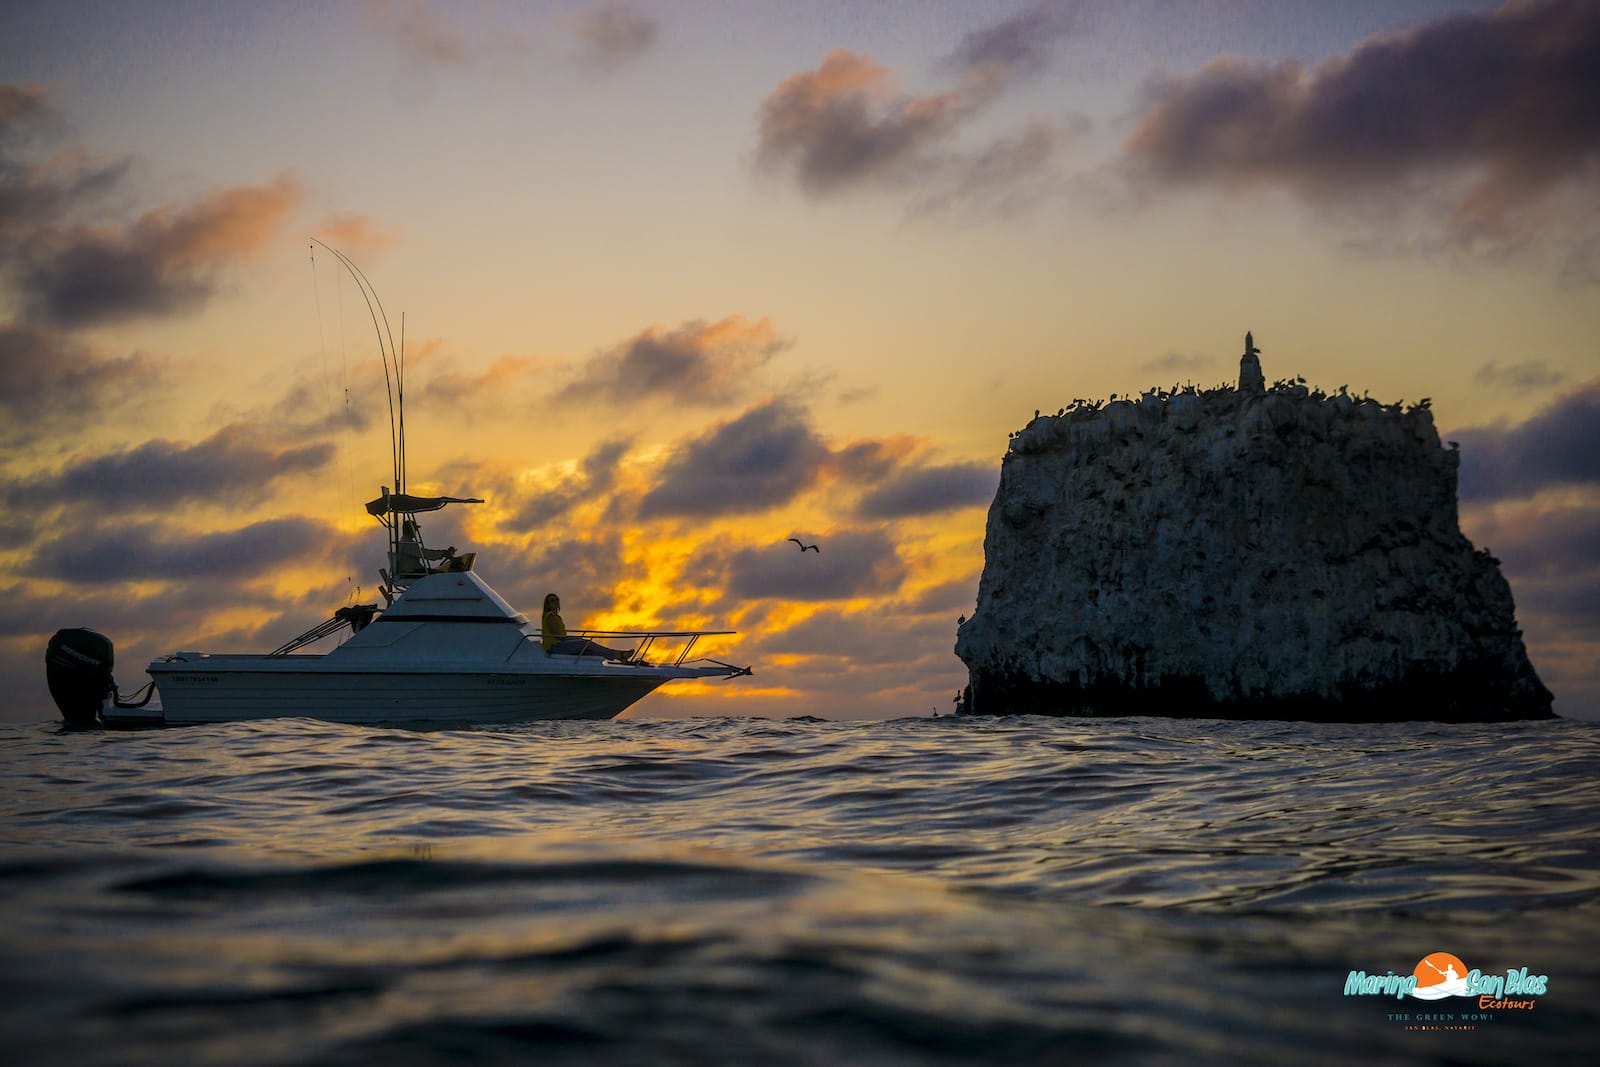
column 806, row 548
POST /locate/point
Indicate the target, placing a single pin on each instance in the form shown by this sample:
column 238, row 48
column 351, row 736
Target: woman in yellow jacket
column 553, row 634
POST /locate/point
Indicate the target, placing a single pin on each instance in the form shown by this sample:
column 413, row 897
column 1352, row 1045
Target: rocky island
column 1258, row 552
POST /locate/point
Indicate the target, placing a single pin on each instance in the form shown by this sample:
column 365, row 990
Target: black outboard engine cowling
column 77, row 665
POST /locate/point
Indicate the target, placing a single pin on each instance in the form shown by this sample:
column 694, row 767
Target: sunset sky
column 681, row 280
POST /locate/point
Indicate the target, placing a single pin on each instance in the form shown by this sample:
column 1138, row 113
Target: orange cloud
column 232, row 224
column 469, row 392
column 356, row 235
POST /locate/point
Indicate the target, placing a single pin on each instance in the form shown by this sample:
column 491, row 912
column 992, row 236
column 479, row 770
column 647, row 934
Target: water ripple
column 734, row 891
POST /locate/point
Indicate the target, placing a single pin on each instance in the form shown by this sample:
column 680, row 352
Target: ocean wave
column 739, row 891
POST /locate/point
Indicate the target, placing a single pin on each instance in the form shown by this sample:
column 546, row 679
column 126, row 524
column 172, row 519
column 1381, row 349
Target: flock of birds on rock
column 1082, row 407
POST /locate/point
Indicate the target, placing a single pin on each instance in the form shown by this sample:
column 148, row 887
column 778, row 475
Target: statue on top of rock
column 1250, row 377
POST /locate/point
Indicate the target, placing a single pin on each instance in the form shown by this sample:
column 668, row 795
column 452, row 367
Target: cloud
column 871, row 459
column 27, row 611
column 147, row 551
column 47, row 377
column 232, row 465
column 1022, row 44
column 166, row 263
column 32, row 195
column 1508, row 96
column 946, row 597
column 20, row 104
column 313, row 409
column 1009, row 174
column 356, row 235
column 1559, row 445
column 1519, row 376
column 1550, row 553
column 582, row 570
column 612, row 34
column 930, row 490
column 436, row 37
column 770, row 455
column 761, row 459
column 495, row 387
column 847, row 123
column 851, row 563
column 412, row 27
column 699, row 363
column 595, row 478
column 861, row 637
column 1537, row 539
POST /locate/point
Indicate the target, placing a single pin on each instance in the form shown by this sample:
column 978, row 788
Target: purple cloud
column 33, row 195
column 1559, row 445
column 930, row 490
column 232, row 464
column 847, row 125
column 1550, row 553
column 150, row 552
column 699, row 363
column 763, row 458
column 50, row 377
column 1509, row 96
column 1022, row 44
column 613, row 34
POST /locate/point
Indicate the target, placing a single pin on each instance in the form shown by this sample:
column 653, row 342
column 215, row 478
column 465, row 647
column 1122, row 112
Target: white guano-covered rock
column 1282, row 555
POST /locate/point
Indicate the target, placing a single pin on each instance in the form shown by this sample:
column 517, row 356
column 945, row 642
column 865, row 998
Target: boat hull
column 357, row 696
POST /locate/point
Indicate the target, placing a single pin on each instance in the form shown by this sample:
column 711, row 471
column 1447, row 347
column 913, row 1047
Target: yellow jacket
column 552, row 629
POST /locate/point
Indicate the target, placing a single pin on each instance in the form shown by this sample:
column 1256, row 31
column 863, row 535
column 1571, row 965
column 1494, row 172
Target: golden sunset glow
column 685, row 281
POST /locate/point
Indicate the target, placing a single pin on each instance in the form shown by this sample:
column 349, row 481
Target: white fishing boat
column 444, row 648
column 448, row 649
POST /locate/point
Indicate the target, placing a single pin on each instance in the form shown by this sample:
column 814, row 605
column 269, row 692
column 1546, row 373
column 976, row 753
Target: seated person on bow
column 553, row 633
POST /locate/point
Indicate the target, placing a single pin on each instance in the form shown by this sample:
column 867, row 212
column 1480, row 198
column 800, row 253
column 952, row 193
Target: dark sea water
column 921, row 891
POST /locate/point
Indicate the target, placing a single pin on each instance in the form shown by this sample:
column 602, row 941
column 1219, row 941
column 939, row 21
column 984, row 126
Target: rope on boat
column 149, row 691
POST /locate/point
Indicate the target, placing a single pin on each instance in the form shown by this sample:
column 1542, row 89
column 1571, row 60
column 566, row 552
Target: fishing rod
column 393, row 386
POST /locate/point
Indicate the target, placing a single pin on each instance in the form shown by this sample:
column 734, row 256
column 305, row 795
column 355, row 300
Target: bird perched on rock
column 806, row 548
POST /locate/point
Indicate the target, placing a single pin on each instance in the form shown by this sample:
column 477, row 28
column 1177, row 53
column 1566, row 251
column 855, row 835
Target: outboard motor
column 77, row 665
